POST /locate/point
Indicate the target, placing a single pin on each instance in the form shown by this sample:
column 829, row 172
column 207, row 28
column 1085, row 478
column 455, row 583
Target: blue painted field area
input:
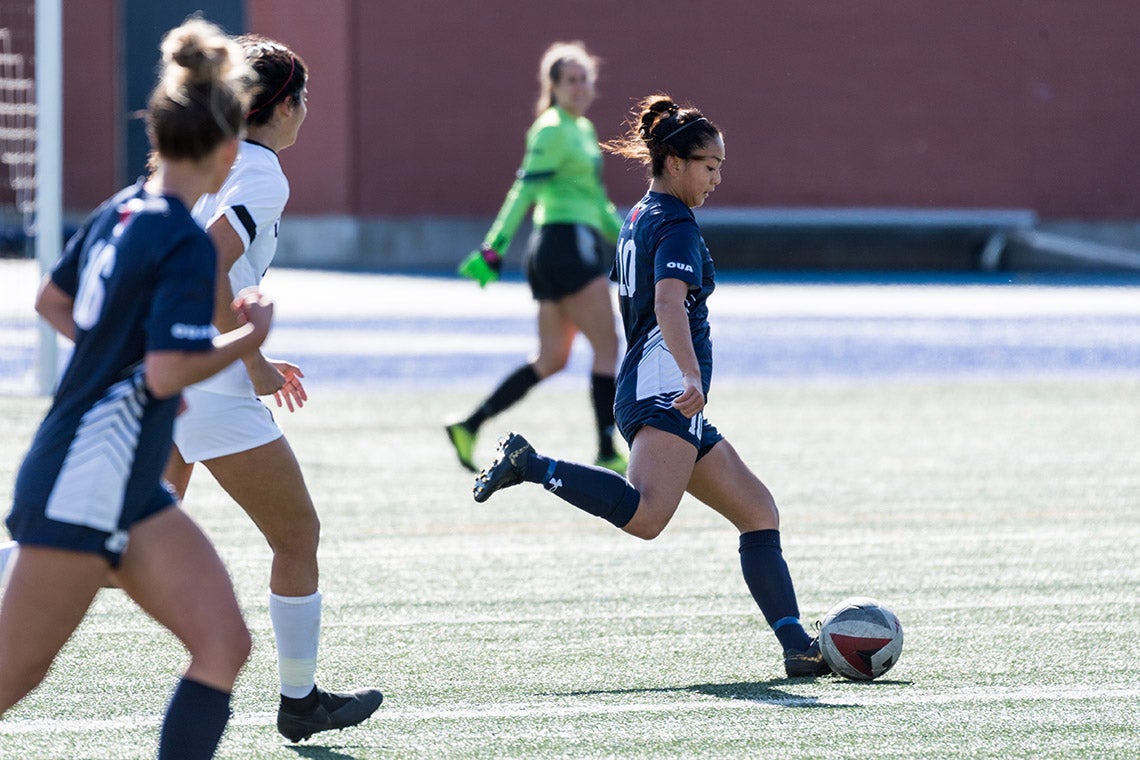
column 359, row 329
column 747, row 348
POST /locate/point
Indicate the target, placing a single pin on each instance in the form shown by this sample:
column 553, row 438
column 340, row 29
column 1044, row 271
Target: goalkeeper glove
column 483, row 266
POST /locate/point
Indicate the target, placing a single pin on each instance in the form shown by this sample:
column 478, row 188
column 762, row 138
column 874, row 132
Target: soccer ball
column 860, row 638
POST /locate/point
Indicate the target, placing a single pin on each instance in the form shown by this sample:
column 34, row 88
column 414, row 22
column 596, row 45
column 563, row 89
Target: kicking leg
column 642, row 506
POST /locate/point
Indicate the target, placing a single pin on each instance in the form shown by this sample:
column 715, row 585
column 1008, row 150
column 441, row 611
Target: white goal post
column 31, row 144
column 49, row 167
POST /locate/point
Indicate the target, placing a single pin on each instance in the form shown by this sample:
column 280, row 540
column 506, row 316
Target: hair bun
column 198, row 52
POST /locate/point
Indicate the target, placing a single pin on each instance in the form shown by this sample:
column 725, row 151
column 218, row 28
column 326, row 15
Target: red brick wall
column 419, row 106
column 92, row 109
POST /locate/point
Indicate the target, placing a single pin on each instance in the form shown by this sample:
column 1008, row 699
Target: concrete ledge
column 896, row 239
column 874, row 239
column 399, row 244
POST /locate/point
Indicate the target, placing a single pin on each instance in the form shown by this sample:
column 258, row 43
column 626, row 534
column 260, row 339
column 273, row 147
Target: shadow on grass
column 763, row 692
column 319, row 752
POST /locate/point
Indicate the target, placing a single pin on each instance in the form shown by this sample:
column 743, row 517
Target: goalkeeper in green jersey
column 569, row 254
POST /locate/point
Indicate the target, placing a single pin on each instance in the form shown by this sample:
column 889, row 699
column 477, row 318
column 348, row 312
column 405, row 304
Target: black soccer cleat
column 334, row 710
column 806, row 663
column 508, row 468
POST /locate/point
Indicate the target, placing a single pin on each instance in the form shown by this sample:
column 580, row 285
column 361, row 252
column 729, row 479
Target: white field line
column 869, row 698
column 92, row 628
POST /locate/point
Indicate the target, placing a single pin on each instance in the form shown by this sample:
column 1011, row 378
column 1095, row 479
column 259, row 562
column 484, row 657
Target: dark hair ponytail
column 658, row 127
column 280, row 74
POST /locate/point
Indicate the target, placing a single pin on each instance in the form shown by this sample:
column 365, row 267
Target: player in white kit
column 227, row 428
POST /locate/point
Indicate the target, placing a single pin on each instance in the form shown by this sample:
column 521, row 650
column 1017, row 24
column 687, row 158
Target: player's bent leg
column 660, row 466
column 34, row 626
column 594, row 490
column 173, row 573
column 267, row 483
column 171, row 570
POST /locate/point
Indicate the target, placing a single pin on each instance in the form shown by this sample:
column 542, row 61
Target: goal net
column 17, row 124
column 30, row 186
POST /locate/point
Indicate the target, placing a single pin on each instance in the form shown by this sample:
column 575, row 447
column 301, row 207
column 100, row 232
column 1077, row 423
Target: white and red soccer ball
column 860, row 638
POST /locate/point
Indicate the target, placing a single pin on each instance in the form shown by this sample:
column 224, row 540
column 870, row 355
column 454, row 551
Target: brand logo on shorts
column 116, row 542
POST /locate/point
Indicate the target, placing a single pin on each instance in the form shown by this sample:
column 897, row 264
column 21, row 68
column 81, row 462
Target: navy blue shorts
column 658, row 413
column 29, row 525
column 561, row 259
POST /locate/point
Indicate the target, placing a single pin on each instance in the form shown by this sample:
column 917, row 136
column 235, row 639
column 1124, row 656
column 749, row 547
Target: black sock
column 513, row 387
column 770, row 582
column 603, row 388
column 300, row 705
column 594, row 490
column 195, row 719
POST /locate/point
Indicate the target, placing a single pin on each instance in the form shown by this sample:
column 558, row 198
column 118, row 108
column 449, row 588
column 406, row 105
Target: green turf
column 1000, row 519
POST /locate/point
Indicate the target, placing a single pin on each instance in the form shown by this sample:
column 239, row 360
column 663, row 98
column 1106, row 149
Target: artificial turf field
column 998, row 514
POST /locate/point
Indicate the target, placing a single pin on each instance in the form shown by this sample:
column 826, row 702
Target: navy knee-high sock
column 768, row 578
column 597, row 491
column 194, row 722
column 510, row 391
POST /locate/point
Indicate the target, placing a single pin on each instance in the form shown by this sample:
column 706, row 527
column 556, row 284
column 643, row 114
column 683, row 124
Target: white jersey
column 251, row 199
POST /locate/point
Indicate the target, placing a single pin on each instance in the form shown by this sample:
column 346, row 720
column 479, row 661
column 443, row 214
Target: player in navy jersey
column 665, row 276
column 228, row 429
column 134, row 290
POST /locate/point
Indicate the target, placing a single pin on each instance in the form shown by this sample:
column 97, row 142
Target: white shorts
column 216, row 425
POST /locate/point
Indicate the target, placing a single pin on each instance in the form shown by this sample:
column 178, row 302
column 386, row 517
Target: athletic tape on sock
column 784, row 621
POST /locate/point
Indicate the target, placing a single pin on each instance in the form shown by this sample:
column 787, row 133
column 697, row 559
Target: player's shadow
column 319, row 752
column 762, row 692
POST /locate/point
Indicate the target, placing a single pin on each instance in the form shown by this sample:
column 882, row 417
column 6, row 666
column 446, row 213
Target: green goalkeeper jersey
column 561, row 176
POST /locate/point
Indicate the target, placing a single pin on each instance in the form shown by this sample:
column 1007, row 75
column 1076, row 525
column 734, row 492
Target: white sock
column 297, row 628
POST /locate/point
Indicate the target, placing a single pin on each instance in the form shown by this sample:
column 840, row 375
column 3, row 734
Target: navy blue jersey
column 141, row 273
column 660, row 239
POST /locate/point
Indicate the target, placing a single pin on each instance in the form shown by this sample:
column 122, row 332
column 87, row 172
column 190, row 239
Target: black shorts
column 562, row 258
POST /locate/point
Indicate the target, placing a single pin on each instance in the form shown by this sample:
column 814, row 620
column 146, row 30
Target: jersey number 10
column 626, row 267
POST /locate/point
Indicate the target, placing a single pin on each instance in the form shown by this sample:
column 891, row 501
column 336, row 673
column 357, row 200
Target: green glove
column 483, row 266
